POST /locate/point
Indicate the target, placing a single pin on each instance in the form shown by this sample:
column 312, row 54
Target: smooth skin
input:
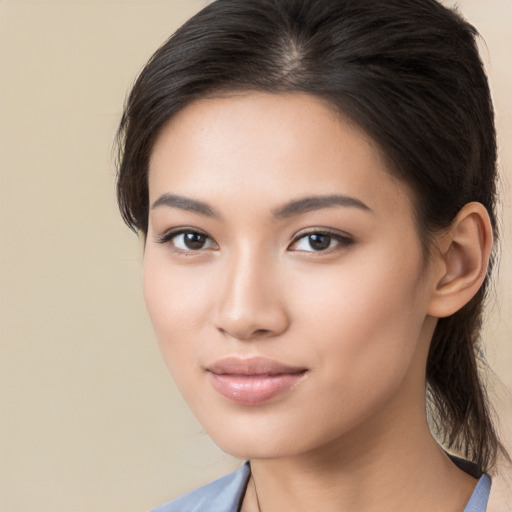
column 248, row 254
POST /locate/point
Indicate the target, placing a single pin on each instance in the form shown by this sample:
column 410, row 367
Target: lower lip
column 254, row 389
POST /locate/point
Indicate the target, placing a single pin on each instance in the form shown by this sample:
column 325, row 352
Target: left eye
column 319, row 242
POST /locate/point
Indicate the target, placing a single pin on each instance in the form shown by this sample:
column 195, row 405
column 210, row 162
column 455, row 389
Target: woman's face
column 283, row 274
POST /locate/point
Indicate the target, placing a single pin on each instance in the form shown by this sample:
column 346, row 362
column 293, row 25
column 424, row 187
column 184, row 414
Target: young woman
column 315, row 184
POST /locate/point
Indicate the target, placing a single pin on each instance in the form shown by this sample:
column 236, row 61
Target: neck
column 388, row 469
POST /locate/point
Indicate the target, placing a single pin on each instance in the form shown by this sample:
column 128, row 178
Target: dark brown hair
column 406, row 71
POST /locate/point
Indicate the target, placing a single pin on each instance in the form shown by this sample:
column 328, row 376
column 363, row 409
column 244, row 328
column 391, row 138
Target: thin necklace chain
column 256, row 494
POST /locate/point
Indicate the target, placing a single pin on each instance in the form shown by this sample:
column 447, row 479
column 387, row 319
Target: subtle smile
column 253, row 381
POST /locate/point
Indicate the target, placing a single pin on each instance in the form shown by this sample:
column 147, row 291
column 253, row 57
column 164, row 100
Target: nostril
column 249, row 334
column 260, row 333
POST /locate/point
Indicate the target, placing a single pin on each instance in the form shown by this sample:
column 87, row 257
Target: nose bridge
column 250, row 304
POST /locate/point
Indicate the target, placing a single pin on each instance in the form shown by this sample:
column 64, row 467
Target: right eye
column 187, row 240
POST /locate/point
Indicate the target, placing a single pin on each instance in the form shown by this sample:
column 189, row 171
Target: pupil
column 319, row 242
column 194, row 240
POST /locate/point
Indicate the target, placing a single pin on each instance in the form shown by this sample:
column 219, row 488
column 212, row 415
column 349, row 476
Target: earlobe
column 464, row 251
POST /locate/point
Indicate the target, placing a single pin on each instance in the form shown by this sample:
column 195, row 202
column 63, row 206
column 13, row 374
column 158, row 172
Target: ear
column 461, row 264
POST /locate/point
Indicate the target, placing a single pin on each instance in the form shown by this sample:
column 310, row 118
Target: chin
column 272, row 442
column 254, row 449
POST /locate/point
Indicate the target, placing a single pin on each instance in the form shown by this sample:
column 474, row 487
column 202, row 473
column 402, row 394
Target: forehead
column 261, row 145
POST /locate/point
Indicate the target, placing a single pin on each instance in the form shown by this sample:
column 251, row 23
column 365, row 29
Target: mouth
column 253, row 381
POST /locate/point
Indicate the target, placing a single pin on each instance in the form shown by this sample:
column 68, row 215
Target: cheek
column 365, row 317
column 178, row 304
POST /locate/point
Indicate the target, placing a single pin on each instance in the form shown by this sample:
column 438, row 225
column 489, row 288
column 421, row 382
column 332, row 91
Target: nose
column 250, row 304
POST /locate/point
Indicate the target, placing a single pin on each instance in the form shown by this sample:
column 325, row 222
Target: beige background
column 89, row 419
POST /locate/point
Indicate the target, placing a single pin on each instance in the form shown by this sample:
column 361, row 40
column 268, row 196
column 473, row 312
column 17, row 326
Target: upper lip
column 251, row 366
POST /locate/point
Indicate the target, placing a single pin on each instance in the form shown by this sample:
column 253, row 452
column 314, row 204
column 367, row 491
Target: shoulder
column 478, row 500
column 222, row 495
column 480, row 496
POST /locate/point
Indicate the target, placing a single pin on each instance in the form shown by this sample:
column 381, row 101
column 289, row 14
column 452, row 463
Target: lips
column 253, row 381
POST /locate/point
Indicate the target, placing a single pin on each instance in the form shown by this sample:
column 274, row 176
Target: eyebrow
column 185, row 203
column 294, row 207
column 311, row 203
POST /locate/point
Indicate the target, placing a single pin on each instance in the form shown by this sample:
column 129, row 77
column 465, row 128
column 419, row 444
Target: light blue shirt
column 226, row 495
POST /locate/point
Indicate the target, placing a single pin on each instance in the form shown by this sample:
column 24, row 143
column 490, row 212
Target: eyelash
column 168, row 236
column 342, row 240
